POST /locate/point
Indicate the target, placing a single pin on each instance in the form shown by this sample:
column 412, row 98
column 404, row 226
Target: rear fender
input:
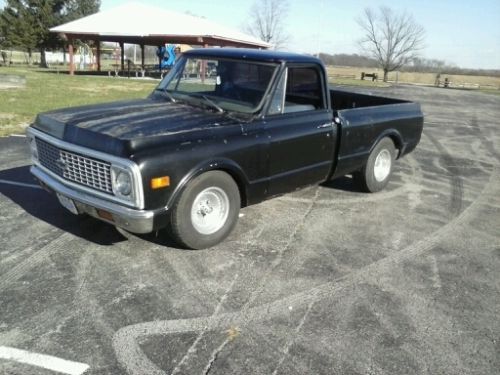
column 396, row 138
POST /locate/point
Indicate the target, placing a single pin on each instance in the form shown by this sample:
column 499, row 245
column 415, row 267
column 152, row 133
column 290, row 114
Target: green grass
column 45, row 91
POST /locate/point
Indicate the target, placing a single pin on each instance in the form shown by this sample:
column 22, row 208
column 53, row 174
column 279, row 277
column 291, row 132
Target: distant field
column 467, row 81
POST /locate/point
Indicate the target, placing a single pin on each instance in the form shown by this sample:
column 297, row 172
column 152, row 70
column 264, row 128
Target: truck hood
column 126, row 127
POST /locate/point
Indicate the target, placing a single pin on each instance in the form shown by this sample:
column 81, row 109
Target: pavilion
column 135, row 23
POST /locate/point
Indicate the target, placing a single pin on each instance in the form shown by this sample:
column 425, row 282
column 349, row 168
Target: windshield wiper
column 167, row 94
column 212, row 103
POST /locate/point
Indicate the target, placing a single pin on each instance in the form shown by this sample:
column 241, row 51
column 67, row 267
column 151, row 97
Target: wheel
column 377, row 171
column 206, row 212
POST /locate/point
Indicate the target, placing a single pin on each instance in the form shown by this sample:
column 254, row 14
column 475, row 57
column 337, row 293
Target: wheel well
column 239, row 183
column 398, row 144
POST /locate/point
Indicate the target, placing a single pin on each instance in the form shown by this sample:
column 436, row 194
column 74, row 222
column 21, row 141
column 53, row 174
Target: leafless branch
column 392, row 39
column 266, row 21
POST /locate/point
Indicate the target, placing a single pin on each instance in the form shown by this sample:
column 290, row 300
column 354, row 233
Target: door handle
column 322, row 126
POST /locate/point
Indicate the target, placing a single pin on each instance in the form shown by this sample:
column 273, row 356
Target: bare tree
column 392, row 39
column 266, row 21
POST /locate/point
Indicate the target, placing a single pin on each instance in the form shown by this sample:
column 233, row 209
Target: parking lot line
column 45, row 361
column 22, row 184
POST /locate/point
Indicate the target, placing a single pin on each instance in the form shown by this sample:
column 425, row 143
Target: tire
column 206, row 212
column 377, row 171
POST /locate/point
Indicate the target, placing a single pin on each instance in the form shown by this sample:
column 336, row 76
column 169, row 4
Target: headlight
column 122, row 183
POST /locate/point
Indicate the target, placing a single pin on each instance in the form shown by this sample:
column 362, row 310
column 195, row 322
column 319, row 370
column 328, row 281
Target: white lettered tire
column 207, row 211
column 377, row 171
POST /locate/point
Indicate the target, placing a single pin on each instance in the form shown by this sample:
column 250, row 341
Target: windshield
column 221, row 84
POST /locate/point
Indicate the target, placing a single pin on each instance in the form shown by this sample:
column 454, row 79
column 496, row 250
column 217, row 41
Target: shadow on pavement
column 21, row 187
column 345, row 183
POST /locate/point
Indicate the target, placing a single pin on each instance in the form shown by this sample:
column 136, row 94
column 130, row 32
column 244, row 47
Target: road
column 327, row 280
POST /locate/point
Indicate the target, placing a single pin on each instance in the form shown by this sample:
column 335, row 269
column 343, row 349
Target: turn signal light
column 160, row 182
column 105, row 214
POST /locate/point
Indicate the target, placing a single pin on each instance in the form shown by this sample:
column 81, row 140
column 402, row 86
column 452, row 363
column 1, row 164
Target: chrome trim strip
column 119, row 162
column 137, row 221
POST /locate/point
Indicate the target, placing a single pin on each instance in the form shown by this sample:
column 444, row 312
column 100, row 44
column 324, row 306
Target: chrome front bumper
column 136, row 221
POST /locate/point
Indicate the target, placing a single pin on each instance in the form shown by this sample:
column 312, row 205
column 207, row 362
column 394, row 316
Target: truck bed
column 365, row 119
column 347, row 100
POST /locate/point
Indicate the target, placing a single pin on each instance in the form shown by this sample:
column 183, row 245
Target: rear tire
column 206, row 212
column 377, row 171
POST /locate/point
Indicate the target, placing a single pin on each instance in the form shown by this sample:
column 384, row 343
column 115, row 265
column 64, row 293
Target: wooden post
column 142, row 56
column 159, row 61
column 71, row 57
column 122, row 48
column 98, row 57
column 203, row 67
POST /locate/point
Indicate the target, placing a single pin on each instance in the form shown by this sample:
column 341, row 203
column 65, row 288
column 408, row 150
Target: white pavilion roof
column 135, row 21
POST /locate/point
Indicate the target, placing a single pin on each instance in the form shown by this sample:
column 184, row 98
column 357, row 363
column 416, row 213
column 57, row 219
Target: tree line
column 25, row 24
column 416, row 64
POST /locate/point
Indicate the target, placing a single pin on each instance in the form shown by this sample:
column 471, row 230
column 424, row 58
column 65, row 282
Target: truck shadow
column 344, row 183
column 161, row 238
column 18, row 185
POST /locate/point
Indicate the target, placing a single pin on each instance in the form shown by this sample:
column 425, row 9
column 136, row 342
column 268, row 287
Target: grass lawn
column 45, row 91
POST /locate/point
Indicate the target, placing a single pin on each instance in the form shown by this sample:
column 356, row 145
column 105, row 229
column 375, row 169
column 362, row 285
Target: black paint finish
column 266, row 155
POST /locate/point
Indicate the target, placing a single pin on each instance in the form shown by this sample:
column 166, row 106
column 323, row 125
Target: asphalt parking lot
column 326, row 280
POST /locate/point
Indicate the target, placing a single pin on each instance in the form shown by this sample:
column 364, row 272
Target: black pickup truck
column 226, row 128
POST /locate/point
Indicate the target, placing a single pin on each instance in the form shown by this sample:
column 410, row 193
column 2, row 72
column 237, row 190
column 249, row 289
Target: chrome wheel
column 210, row 210
column 382, row 166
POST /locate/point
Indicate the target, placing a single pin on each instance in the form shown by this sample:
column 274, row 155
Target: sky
column 461, row 32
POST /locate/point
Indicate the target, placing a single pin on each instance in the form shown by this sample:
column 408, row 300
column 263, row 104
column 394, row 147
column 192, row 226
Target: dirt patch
column 6, row 86
column 8, row 81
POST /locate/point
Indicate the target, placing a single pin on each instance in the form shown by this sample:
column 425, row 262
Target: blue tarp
column 167, row 55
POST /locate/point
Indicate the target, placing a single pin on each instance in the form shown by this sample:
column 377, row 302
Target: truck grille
column 74, row 167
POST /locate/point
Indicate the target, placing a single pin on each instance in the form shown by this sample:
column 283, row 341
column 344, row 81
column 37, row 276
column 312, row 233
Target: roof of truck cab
column 253, row 54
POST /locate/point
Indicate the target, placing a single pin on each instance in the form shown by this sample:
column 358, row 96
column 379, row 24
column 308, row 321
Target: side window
column 303, row 90
column 278, row 100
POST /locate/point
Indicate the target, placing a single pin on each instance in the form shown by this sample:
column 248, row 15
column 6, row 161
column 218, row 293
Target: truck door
column 299, row 127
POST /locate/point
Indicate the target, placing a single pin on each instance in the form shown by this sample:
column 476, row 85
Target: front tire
column 377, row 171
column 206, row 212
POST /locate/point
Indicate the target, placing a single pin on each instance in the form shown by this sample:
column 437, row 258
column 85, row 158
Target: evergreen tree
column 26, row 23
column 76, row 9
column 16, row 27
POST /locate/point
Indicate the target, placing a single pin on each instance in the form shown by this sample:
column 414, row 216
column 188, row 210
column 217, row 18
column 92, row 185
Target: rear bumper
column 136, row 221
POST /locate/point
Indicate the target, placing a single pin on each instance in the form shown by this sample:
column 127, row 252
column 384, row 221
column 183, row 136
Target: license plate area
column 67, row 203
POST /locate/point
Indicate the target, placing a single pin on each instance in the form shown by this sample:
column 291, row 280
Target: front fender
column 221, row 164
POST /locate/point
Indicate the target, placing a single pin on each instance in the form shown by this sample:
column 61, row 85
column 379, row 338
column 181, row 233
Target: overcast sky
column 463, row 32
